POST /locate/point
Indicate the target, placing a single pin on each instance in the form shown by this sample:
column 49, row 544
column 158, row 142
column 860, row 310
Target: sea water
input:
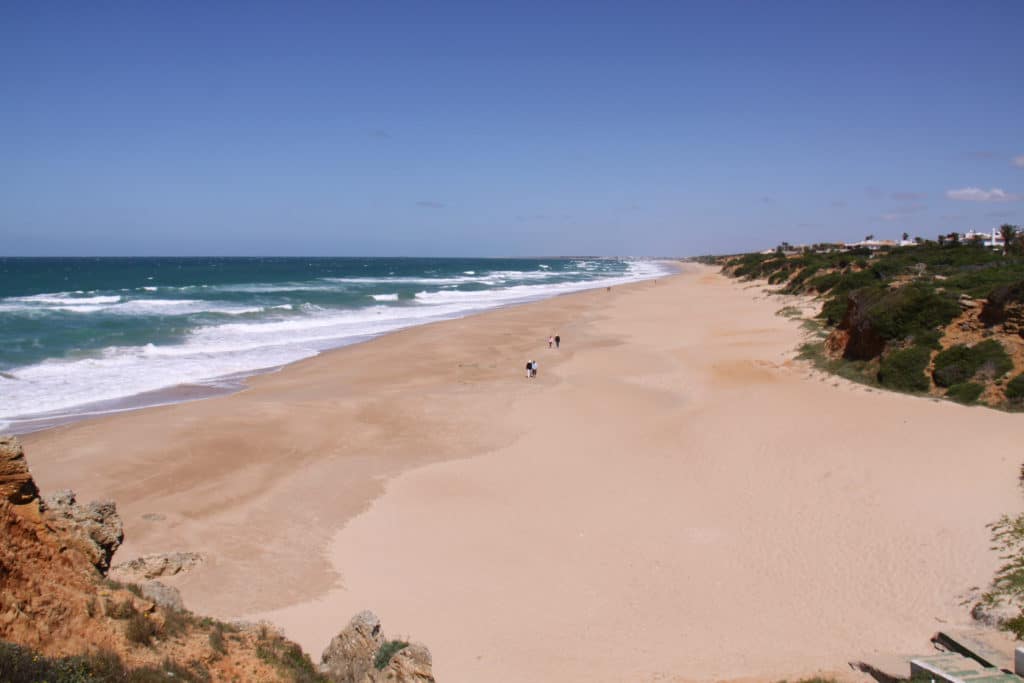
column 81, row 335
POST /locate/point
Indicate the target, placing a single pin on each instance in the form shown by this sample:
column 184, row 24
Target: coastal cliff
column 63, row 619
column 945, row 320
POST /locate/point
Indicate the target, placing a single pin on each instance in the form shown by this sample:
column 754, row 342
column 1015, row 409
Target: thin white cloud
column 976, row 194
column 1019, row 161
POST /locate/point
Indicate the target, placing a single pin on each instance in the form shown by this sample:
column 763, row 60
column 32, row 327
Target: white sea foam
column 119, row 306
column 249, row 345
column 62, row 299
column 384, row 297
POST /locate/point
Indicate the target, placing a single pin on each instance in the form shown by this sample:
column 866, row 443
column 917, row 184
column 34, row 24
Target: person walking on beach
column 558, row 342
column 529, row 368
column 534, row 371
column 551, row 342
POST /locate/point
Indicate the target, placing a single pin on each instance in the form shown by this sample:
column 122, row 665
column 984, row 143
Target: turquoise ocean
column 84, row 336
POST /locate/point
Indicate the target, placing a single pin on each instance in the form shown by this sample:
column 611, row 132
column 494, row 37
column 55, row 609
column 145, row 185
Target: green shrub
column 388, row 650
column 21, row 665
column 911, row 309
column 1015, row 388
column 965, row 392
column 1008, row 584
column 904, row 369
column 289, row 659
column 960, row 363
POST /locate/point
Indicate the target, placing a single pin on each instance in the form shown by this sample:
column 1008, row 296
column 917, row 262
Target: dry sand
column 670, row 499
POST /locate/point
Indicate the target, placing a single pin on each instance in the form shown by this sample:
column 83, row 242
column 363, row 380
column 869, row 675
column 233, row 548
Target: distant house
column 871, row 244
column 993, row 240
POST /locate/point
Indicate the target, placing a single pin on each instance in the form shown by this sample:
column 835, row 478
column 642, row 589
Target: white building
column 993, row 239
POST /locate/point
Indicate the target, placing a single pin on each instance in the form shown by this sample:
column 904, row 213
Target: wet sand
column 672, row 498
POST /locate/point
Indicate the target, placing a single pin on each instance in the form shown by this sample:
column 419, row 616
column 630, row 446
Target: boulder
column 350, row 654
column 97, row 527
column 16, row 484
column 162, row 594
column 155, row 566
column 412, row 664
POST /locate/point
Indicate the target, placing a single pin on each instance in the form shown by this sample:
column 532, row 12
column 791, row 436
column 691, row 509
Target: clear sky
column 516, row 128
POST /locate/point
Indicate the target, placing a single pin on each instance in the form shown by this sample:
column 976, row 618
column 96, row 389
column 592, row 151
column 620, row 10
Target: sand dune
column 672, row 498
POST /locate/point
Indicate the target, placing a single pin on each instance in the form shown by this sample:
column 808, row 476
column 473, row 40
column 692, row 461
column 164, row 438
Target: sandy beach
column 672, row 498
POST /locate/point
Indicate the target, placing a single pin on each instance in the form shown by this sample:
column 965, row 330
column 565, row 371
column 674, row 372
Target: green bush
column 1015, row 388
column 22, row 665
column 289, row 659
column 911, row 309
column 966, row 392
column 960, row 363
column 388, row 650
column 904, row 369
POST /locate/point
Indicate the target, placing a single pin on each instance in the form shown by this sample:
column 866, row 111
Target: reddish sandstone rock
column 16, row 484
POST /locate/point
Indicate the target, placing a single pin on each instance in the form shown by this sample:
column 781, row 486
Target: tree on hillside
column 868, row 238
column 906, row 236
column 1009, row 234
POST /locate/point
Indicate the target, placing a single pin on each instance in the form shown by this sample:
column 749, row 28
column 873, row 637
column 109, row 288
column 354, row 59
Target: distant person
column 534, row 363
column 529, row 368
column 551, row 342
column 558, row 341
column 608, row 289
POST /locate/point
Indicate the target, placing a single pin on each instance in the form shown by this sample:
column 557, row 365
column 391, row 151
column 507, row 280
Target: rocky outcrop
column 96, row 526
column 162, row 594
column 860, row 339
column 353, row 655
column 155, row 566
column 411, row 664
column 16, row 484
column 1005, row 306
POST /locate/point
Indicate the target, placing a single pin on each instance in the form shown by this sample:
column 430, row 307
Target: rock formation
column 96, row 526
column 855, row 335
column 155, row 566
column 162, row 594
column 16, row 484
column 352, row 656
column 1005, row 306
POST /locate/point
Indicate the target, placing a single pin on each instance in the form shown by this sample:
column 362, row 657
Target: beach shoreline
column 231, row 383
column 672, row 498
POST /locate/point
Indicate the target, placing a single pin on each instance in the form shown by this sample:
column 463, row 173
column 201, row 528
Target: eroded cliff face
column 56, row 601
column 856, row 337
column 1004, row 307
column 16, row 484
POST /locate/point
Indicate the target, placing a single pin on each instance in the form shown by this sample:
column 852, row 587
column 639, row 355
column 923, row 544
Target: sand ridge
column 672, row 498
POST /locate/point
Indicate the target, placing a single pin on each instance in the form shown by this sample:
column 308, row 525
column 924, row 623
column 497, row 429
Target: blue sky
column 445, row 128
